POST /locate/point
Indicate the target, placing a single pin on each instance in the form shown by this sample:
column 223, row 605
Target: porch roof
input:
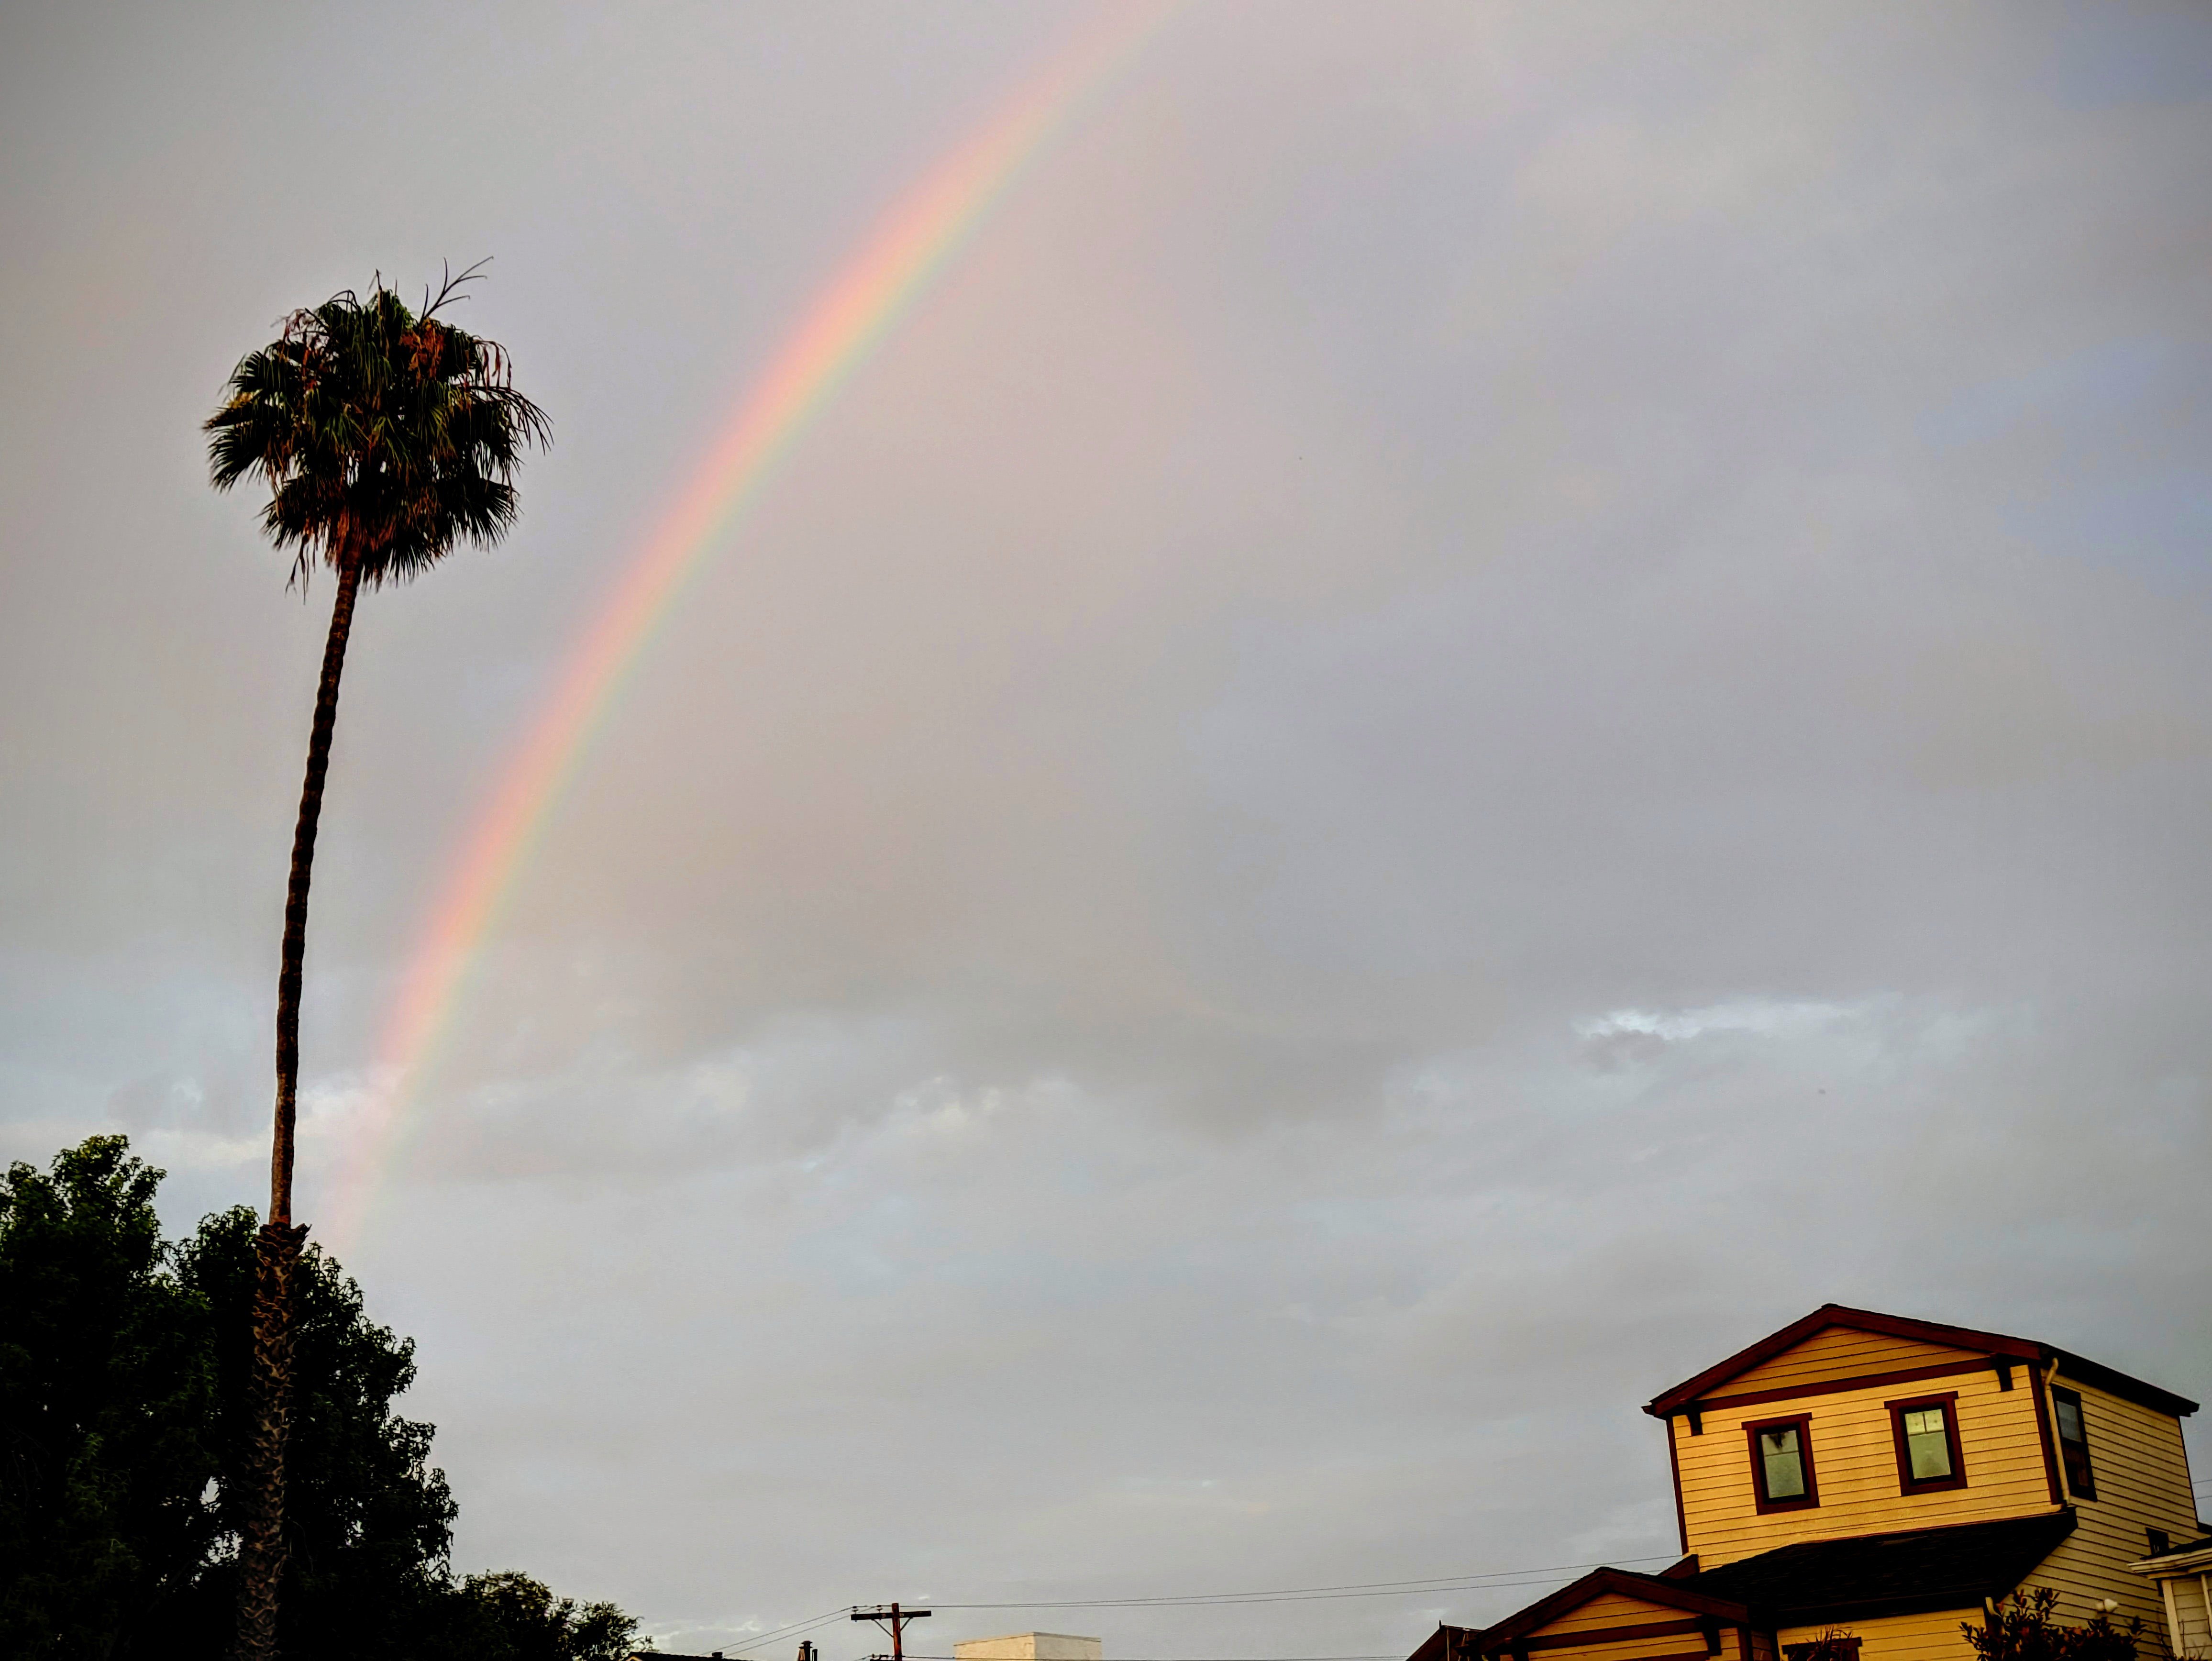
column 1904, row 1572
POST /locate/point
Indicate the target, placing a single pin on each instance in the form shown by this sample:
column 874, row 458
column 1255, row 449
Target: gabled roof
column 1684, row 1595
column 1994, row 1344
column 1904, row 1572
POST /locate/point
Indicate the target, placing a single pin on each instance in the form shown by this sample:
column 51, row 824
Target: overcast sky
column 1487, row 699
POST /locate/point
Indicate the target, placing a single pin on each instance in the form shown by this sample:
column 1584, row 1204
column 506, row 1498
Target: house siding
column 1608, row 1608
column 1854, row 1461
column 2192, row 1613
column 2142, row 1474
column 1932, row 1637
column 1612, row 1611
column 1841, row 1353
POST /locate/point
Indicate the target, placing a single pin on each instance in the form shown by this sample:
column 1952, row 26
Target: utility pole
column 891, row 1615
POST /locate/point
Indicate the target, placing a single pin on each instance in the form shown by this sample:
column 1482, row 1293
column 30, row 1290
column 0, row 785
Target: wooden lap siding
column 1854, row 1454
column 1842, row 1352
column 1608, row 1612
column 2143, row 1482
column 1934, row 1637
column 2192, row 1610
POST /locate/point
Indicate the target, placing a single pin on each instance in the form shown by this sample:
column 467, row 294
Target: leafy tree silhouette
column 126, row 1434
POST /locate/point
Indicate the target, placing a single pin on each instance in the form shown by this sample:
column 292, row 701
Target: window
column 1926, row 1430
column 2073, row 1443
column 1781, row 1463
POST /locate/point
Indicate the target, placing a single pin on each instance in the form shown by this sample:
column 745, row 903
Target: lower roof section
column 1816, row 1583
column 1901, row 1573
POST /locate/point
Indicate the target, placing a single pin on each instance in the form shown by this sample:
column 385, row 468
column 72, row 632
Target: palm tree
column 386, row 436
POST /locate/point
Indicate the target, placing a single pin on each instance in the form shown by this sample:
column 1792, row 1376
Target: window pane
column 2077, row 1468
column 2073, row 1443
column 1927, row 1449
column 1785, row 1469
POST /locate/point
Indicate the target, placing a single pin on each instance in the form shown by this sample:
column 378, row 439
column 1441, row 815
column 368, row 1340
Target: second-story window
column 1927, row 1443
column 1926, row 1435
column 2073, row 1443
column 1781, row 1464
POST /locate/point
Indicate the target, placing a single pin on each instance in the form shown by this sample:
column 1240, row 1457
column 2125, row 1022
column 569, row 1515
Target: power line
column 792, row 1631
column 1468, row 1582
column 1494, row 1579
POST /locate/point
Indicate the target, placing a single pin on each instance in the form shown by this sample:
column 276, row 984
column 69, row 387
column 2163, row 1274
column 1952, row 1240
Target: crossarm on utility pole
column 891, row 1615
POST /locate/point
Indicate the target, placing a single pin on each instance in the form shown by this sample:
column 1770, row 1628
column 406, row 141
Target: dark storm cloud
column 1488, row 698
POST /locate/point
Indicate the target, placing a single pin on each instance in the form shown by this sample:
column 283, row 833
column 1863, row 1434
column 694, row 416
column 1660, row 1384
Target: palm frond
column 385, row 435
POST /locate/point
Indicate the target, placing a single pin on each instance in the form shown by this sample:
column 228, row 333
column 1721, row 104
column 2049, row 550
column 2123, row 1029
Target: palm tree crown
column 385, row 436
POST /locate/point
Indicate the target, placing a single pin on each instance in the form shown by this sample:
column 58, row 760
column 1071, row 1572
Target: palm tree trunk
column 277, row 1248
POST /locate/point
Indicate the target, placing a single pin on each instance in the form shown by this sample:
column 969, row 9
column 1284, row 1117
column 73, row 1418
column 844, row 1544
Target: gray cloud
column 1485, row 699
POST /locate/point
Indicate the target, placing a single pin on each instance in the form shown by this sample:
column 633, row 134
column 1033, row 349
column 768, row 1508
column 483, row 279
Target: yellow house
column 1886, row 1478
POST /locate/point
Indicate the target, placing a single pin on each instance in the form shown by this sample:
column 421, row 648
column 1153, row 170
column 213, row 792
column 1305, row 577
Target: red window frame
column 1802, row 1424
column 2073, row 1451
column 1948, row 1401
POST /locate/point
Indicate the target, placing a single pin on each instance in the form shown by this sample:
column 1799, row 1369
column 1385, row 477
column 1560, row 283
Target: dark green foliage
column 384, row 435
column 367, row 1519
column 512, row 1617
column 2023, row 1629
column 106, row 1387
column 124, row 1421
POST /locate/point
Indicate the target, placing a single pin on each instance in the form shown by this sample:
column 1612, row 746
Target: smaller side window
column 1781, row 1463
column 2073, row 1443
column 1926, row 1432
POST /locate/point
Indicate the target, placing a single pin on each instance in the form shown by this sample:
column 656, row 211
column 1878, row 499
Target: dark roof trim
column 1671, row 1402
column 2082, row 1370
column 1667, row 1594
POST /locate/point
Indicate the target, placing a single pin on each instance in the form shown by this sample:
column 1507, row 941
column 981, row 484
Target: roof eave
column 2176, row 1562
column 2114, row 1382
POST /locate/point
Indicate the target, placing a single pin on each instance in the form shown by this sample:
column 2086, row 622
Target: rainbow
column 911, row 245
